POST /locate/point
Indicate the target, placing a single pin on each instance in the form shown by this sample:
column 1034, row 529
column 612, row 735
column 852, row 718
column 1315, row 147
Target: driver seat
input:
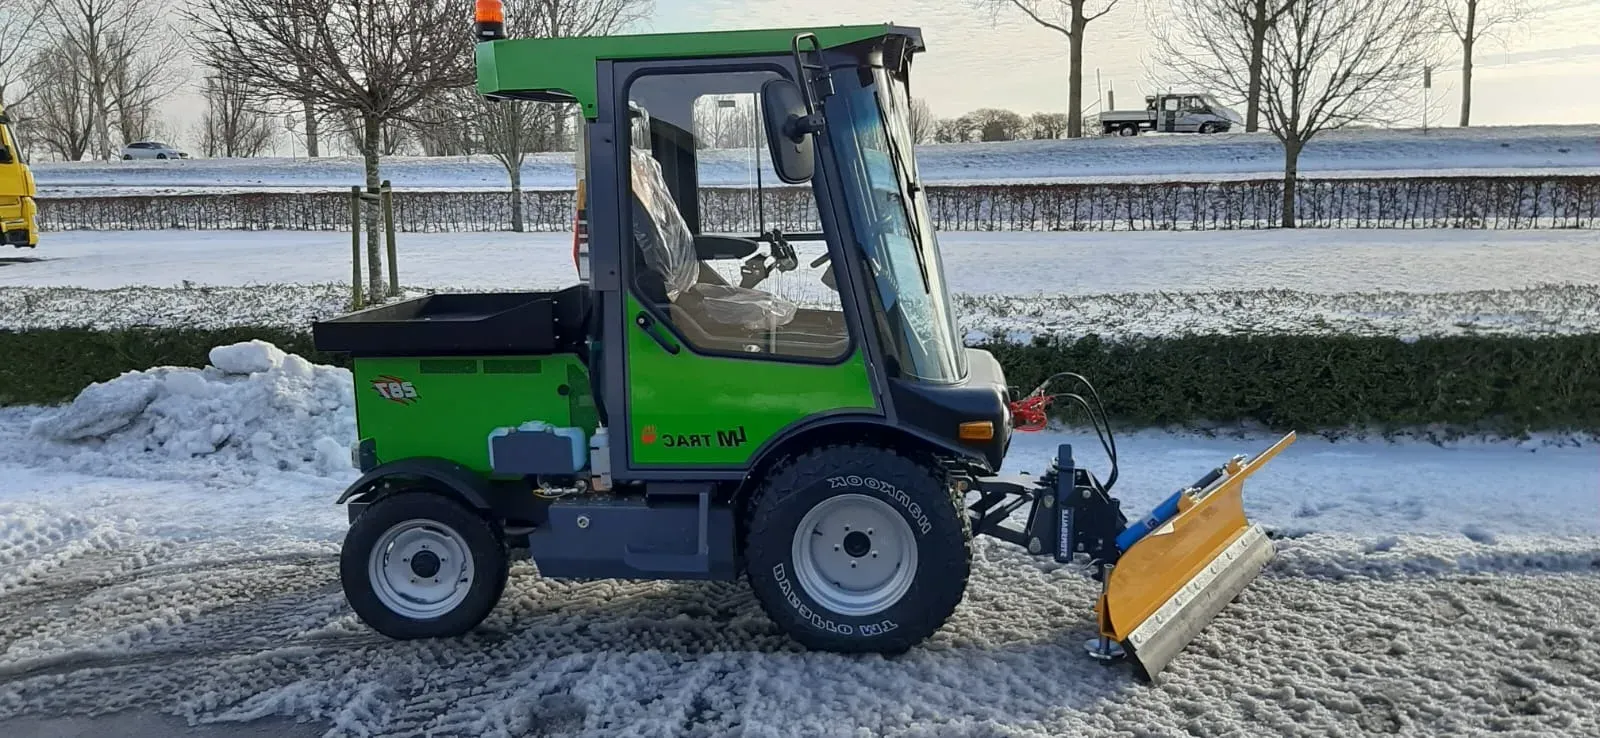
column 711, row 314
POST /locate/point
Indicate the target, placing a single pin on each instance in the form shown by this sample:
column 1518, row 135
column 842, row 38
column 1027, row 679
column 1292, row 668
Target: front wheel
column 857, row 549
column 422, row 565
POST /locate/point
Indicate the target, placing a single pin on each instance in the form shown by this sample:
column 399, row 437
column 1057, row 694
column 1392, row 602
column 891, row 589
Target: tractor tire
column 855, row 548
column 396, row 553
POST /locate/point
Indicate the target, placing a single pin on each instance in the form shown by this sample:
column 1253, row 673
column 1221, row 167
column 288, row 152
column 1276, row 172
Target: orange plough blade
column 1174, row 580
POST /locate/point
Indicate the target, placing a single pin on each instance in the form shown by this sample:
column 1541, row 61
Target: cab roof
column 563, row 69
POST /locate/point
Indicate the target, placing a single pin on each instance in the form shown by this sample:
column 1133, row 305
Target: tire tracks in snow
column 1340, row 638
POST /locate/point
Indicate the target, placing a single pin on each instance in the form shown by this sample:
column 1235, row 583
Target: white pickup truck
column 1187, row 112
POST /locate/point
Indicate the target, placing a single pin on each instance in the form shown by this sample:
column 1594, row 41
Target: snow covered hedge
column 1493, row 202
column 1495, row 384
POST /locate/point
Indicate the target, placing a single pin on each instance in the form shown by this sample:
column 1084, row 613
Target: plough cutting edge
column 1163, row 576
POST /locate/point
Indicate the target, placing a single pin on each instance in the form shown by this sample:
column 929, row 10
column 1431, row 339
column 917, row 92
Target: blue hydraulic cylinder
column 1159, row 516
column 1167, row 510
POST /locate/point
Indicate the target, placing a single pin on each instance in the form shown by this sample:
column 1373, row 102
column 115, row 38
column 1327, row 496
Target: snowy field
column 170, row 545
column 1480, row 150
column 1412, row 282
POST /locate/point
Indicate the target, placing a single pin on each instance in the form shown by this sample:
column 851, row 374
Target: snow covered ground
column 1481, row 150
column 1418, row 589
column 1404, row 282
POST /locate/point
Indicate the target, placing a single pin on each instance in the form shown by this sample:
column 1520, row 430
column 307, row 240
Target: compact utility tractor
column 762, row 381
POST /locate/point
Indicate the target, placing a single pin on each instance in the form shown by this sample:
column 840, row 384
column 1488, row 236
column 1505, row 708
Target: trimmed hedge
column 1494, row 384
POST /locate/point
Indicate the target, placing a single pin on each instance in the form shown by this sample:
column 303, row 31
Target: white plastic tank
column 574, row 435
column 600, row 458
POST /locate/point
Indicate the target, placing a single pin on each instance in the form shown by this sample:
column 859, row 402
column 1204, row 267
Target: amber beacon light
column 491, row 20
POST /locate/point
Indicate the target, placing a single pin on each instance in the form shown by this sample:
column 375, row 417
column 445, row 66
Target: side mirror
column 790, row 128
column 5, row 155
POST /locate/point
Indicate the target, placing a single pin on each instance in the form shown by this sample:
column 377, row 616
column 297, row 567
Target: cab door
column 1169, row 114
column 734, row 331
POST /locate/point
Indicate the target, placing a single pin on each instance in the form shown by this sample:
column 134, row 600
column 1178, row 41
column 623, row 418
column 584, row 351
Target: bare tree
column 445, row 123
column 18, row 21
column 371, row 61
column 922, row 121
column 1048, row 125
column 61, row 110
column 1329, row 63
column 128, row 59
column 951, row 130
column 1070, row 18
column 726, row 121
column 993, row 124
column 1471, row 21
column 232, row 125
column 1218, row 46
column 511, row 128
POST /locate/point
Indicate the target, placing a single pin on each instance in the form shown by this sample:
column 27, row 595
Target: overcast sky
column 1548, row 72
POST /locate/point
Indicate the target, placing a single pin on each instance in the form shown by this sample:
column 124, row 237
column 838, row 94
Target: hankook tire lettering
column 915, row 510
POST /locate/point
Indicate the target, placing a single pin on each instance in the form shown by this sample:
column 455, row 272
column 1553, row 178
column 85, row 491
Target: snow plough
column 760, row 382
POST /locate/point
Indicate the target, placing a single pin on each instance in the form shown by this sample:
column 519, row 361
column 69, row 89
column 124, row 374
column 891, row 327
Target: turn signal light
column 977, row 430
column 491, row 19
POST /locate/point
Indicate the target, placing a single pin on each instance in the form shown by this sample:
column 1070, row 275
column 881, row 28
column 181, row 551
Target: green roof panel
column 564, row 68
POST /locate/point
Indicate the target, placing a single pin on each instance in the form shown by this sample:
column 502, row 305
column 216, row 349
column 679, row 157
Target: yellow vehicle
column 18, row 212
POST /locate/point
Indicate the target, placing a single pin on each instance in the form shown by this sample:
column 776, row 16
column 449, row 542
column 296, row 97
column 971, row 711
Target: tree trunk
column 515, row 170
column 1291, row 176
column 311, row 129
column 1258, row 42
column 369, row 154
column 1468, row 38
column 1075, row 72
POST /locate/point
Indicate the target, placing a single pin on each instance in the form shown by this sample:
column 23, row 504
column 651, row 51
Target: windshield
column 867, row 125
column 1220, row 109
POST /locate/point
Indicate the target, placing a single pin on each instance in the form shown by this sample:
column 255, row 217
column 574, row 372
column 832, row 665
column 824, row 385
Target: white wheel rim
column 420, row 569
column 854, row 555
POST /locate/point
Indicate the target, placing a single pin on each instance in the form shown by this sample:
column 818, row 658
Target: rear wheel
column 1131, row 129
column 422, row 565
column 855, row 548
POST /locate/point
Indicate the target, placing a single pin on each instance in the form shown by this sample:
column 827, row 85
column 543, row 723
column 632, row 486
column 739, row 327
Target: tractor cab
column 754, row 225
column 756, row 374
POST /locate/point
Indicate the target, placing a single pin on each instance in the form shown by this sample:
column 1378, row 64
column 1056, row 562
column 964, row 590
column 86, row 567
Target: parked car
column 152, row 150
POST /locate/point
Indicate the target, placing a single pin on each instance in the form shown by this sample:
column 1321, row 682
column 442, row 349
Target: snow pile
column 254, row 403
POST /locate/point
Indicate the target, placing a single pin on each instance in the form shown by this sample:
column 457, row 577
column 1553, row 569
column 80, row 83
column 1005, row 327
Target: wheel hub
column 425, row 564
column 854, row 554
column 420, row 569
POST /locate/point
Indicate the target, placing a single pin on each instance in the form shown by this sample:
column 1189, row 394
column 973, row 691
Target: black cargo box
column 495, row 323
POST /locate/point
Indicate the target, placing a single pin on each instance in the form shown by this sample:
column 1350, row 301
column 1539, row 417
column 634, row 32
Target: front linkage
column 1177, row 586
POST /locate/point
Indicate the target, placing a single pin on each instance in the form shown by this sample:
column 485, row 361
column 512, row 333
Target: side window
column 721, row 247
column 1170, row 103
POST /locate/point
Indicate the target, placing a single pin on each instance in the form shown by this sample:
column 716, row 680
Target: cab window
column 718, row 243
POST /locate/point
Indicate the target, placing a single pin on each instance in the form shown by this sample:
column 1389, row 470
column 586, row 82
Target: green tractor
column 791, row 406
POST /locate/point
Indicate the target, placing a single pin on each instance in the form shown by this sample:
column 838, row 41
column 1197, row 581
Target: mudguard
column 453, row 477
